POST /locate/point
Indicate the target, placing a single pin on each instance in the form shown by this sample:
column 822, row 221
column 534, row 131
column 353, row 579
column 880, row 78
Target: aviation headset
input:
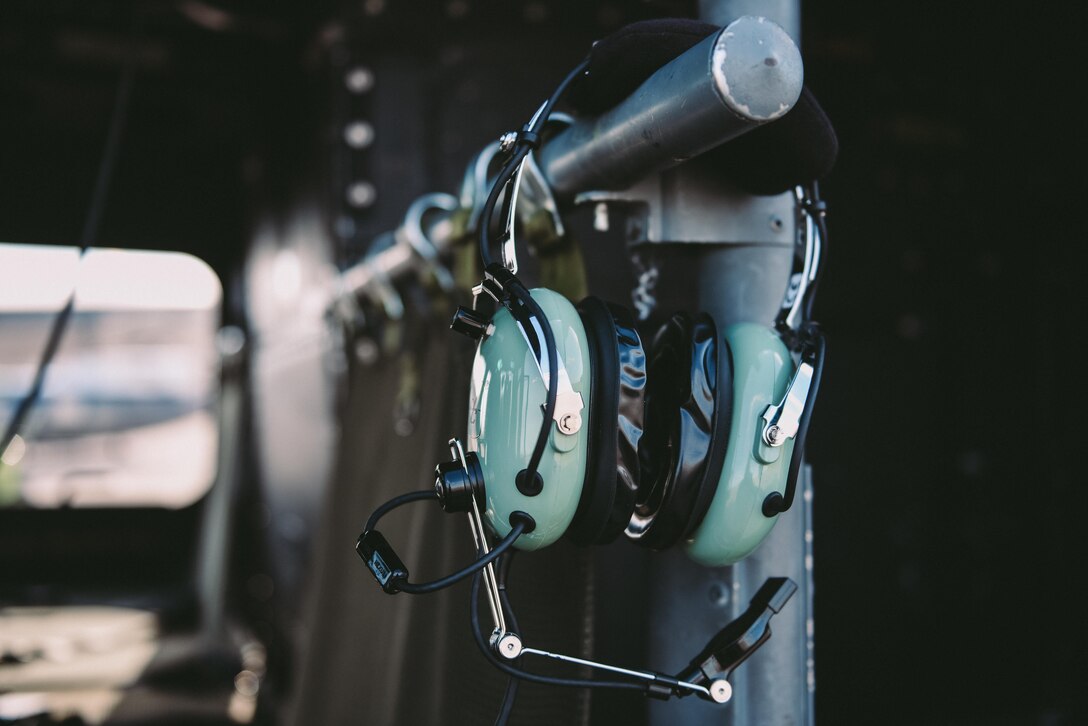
column 579, row 426
column 694, row 437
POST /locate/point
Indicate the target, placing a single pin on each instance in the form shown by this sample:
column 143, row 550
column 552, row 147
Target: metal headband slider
column 781, row 421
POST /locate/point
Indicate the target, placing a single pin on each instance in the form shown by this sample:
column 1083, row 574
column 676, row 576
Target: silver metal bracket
column 411, row 233
column 505, row 643
column 782, row 420
column 568, row 402
column 479, row 538
column 801, row 280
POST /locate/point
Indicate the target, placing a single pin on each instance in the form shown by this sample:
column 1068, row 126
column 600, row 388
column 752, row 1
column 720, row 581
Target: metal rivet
column 777, row 224
column 367, row 351
column 359, row 79
column 721, row 691
column 359, row 134
column 570, row 423
column 361, row 194
column 772, row 435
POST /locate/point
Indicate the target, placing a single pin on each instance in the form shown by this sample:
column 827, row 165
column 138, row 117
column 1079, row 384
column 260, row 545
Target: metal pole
column 746, row 75
column 742, row 276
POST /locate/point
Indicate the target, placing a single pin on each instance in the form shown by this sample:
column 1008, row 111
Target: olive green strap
column 561, row 266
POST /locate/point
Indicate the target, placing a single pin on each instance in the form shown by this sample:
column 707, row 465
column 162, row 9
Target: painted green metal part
column 734, row 525
column 506, row 400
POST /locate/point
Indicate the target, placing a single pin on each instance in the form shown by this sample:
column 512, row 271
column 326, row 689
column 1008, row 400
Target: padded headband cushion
column 682, row 447
column 618, row 363
column 796, row 149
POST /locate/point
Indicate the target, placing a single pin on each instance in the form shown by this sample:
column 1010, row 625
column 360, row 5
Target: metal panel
column 742, row 278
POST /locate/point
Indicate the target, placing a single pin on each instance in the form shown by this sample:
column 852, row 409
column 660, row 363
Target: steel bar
column 746, row 75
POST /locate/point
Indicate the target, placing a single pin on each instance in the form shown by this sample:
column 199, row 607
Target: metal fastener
column 359, row 79
column 509, row 646
column 361, row 194
column 772, row 435
column 570, row 423
column 359, row 134
column 721, row 691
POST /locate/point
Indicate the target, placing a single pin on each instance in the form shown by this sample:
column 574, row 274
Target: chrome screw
column 772, row 435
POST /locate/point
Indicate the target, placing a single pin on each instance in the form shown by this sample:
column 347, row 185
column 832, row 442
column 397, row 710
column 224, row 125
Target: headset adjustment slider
column 782, row 420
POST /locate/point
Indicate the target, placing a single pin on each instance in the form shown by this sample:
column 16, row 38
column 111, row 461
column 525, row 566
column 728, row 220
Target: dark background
column 949, row 511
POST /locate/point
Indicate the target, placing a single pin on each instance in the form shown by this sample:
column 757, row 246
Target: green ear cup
column 506, row 397
column 734, row 524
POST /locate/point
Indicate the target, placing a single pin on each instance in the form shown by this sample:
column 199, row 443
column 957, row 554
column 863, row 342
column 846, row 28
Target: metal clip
column 568, row 402
column 411, row 233
column 781, row 421
column 474, row 187
column 800, row 284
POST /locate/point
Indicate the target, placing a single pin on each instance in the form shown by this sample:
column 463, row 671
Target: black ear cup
column 618, row 362
column 688, row 411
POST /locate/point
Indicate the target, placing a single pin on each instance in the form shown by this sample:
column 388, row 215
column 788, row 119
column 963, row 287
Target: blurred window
column 127, row 413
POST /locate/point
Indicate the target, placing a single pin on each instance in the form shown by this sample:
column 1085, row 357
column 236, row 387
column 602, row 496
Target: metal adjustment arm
column 503, row 641
column 659, row 685
column 806, row 266
column 782, row 420
column 707, row 674
column 568, row 402
column 513, row 189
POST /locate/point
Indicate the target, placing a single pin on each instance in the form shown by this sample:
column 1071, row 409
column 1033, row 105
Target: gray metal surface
column 748, row 74
column 741, row 278
column 693, row 203
column 787, row 13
